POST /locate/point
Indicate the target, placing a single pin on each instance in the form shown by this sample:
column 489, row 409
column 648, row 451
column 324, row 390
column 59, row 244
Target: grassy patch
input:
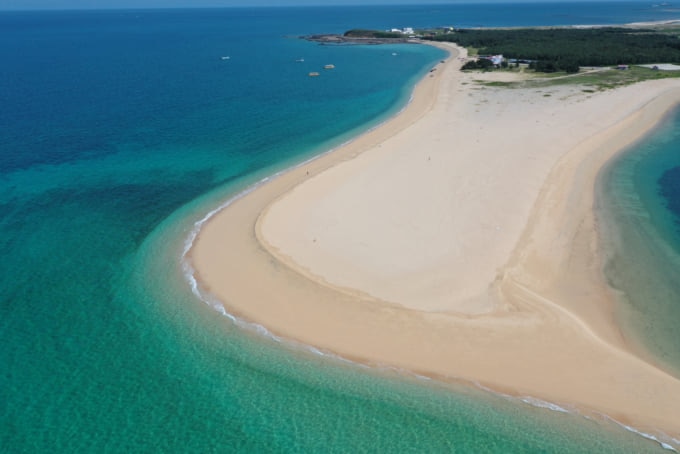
column 496, row 83
column 594, row 80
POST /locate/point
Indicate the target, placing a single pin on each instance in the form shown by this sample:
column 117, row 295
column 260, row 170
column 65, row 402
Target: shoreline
column 301, row 297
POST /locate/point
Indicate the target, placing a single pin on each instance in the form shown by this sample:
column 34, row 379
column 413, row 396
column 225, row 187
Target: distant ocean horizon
column 120, row 129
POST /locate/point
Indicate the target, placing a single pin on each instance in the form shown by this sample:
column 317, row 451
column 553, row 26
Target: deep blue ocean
column 120, row 129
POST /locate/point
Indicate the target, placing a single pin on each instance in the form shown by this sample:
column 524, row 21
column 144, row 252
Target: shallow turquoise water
column 643, row 243
column 120, row 129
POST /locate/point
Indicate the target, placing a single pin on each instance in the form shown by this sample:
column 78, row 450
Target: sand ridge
column 458, row 240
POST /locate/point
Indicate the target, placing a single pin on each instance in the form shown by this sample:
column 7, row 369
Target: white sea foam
column 661, row 439
column 190, row 272
column 665, row 442
column 534, row 402
column 214, row 303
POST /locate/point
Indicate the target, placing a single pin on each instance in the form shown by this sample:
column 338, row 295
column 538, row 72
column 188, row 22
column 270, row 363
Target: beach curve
column 499, row 280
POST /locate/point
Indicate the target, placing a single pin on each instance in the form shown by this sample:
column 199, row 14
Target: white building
column 496, row 59
column 404, row 31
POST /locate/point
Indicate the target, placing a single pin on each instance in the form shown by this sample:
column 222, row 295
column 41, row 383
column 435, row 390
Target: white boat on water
column 226, row 58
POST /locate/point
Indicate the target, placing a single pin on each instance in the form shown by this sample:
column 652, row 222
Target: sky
column 108, row 4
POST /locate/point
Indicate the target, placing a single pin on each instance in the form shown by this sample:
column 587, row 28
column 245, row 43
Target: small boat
column 226, row 58
column 329, row 67
column 300, row 60
column 314, row 74
column 394, row 53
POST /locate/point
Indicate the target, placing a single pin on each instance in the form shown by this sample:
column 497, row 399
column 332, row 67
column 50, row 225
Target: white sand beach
column 458, row 240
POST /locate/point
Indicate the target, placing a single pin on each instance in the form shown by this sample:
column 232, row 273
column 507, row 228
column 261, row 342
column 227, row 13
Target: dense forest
column 567, row 49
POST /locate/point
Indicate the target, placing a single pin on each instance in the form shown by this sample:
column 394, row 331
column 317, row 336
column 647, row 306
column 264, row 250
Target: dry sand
column 458, row 240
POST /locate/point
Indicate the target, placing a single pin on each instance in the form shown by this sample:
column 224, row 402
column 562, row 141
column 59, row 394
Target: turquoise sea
column 639, row 203
column 120, row 129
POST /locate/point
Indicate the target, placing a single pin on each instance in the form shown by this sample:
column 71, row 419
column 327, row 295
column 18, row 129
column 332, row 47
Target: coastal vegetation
column 360, row 33
column 551, row 50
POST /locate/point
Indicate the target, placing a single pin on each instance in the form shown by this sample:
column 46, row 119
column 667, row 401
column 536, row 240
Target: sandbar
column 458, row 240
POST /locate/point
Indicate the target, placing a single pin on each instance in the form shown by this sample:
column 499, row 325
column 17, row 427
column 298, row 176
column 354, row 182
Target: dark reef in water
column 344, row 39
